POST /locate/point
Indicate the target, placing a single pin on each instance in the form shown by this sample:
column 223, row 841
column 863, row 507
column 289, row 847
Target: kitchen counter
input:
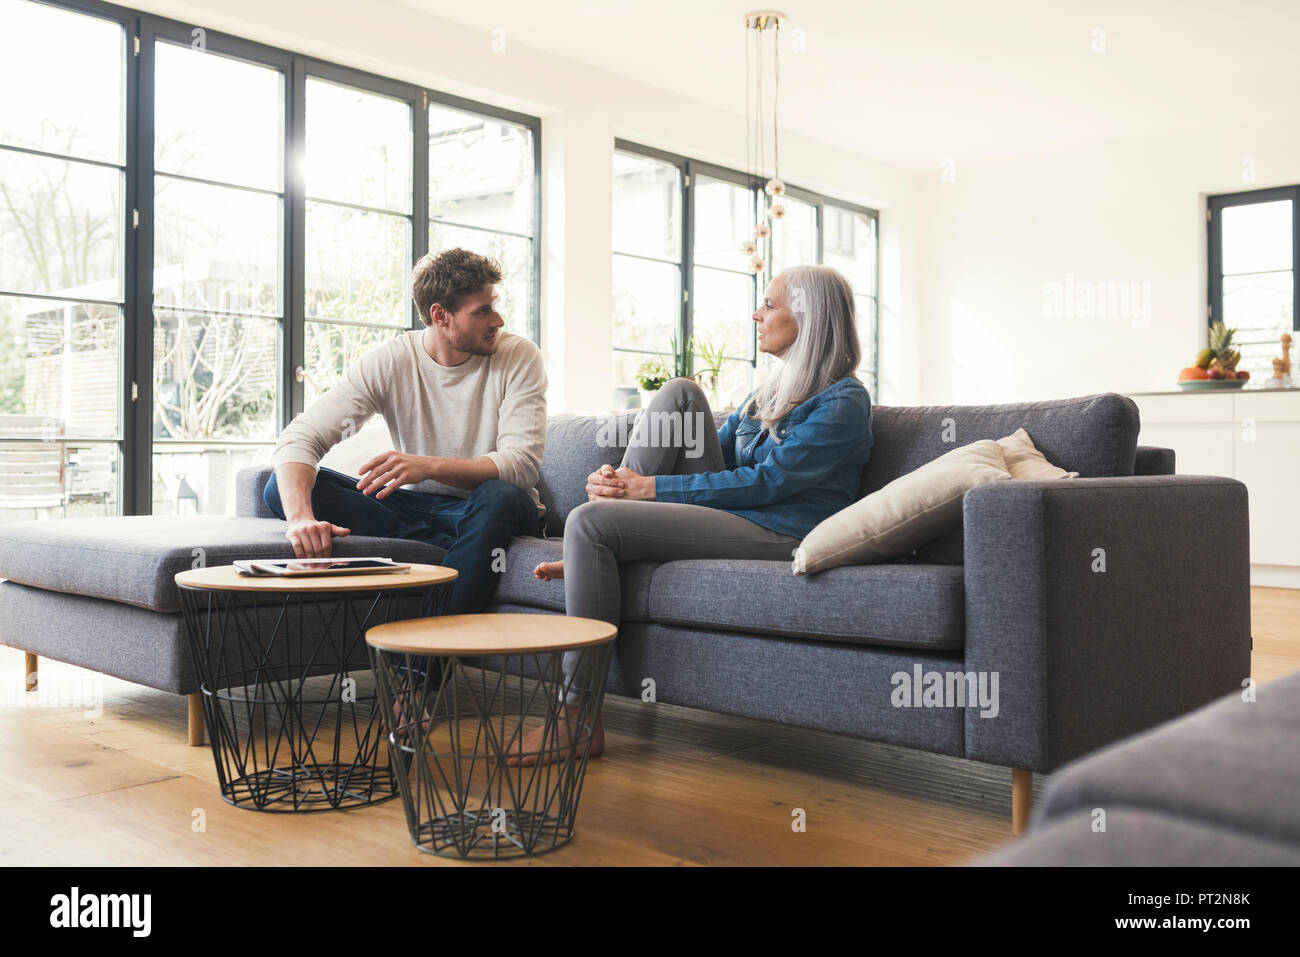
column 1245, row 390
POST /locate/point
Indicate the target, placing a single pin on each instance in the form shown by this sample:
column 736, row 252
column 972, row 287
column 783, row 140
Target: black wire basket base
column 311, row 787
column 462, row 797
column 488, row 835
column 289, row 701
column 289, row 745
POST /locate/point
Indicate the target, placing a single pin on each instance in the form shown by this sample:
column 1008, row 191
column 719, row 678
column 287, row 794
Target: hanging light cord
column 776, row 102
column 749, row 138
column 758, row 89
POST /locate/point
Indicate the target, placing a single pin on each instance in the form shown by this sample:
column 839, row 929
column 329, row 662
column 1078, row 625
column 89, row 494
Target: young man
column 465, row 404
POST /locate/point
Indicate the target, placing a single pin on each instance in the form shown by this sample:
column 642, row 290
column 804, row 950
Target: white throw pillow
column 911, row 510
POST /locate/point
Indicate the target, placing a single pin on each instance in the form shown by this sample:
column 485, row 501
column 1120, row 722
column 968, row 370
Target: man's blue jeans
column 470, row 529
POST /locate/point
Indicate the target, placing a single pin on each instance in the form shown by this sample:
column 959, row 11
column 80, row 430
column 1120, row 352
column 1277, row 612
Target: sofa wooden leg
column 1022, row 799
column 196, row 720
column 30, row 662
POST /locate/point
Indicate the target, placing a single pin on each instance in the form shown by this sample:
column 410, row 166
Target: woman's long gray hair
column 825, row 350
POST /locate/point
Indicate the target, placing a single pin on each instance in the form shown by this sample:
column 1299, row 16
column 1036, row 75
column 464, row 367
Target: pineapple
column 1223, row 355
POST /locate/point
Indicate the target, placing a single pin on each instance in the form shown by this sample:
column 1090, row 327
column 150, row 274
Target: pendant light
column 763, row 29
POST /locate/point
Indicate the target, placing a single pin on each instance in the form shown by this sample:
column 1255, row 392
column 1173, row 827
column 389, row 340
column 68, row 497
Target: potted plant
column 651, row 376
column 710, row 365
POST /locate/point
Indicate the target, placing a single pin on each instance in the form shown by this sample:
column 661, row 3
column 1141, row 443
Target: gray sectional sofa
column 1100, row 606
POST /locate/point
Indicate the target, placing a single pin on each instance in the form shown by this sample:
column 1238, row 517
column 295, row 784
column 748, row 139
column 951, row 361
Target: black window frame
column 128, row 424
column 683, row 239
column 141, row 30
column 1214, row 227
column 690, row 169
column 534, row 125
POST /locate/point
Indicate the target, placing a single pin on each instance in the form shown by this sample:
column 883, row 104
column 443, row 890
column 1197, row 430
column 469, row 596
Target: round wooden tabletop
column 227, row 578
column 490, row 634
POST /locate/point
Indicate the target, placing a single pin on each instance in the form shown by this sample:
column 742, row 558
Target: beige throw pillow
column 1024, row 461
column 911, row 510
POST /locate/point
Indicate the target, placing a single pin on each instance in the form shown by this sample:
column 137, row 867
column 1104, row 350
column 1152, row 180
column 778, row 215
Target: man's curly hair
column 449, row 277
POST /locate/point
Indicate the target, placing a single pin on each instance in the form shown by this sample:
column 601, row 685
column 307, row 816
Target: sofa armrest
column 1153, row 460
column 1105, row 606
column 249, row 484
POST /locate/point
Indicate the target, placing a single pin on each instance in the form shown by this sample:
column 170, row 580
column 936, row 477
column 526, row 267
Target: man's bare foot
column 549, row 571
column 538, row 747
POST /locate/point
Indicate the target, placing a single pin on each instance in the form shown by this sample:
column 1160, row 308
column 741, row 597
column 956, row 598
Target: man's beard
column 476, row 345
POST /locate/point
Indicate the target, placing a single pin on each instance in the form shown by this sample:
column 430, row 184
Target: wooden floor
column 678, row 787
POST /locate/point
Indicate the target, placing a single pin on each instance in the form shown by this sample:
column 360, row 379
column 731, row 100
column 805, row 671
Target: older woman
column 789, row 457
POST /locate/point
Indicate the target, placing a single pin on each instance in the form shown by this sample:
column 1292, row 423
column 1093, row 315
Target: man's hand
column 312, row 538
column 391, row 470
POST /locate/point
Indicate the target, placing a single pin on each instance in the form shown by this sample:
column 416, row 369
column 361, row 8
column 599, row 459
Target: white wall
column 583, row 109
column 1120, row 212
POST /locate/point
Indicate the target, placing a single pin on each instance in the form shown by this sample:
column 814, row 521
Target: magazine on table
column 296, row 567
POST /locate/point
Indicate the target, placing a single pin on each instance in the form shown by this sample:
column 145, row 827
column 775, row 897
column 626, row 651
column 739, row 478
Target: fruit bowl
column 1200, row 385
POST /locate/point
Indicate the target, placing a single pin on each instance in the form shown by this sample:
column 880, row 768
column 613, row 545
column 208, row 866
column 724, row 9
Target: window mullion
column 137, row 458
column 294, row 332
column 1295, row 260
column 686, row 327
column 420, row 190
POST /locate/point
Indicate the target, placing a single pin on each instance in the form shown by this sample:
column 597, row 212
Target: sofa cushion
column 249, row 485
column 518, row 586
column 910, row 606
column 135, row 559
column 1095, row 436
column 577, row 445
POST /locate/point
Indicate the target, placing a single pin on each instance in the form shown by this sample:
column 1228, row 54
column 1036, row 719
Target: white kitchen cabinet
column 1250, row 435
column 1267, row 459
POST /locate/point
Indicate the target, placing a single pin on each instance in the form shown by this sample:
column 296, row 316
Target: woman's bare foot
column 549, row 571
column 401, row 724
column 538, row 747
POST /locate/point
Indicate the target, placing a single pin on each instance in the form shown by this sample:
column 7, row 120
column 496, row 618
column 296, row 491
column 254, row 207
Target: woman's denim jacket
column 787, row 482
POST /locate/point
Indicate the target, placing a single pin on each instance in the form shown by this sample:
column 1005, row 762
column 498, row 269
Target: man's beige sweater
column 488, row 405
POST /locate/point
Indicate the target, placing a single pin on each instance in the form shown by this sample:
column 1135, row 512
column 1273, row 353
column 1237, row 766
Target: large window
column 218, row 299
column 680, row 279
column 794, row 237
column 849, row 244
column 358, row 166
column 198, row 234
column 63, row 275
column 648, row 283
column 722, row 284
column 1255, row 271
column 482, row 196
